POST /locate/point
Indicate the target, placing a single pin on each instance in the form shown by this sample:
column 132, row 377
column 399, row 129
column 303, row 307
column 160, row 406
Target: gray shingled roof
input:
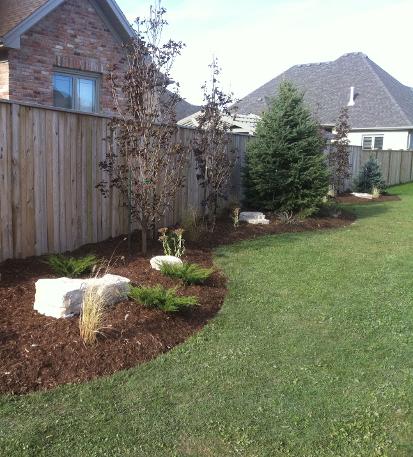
column 381, row 100
column 185, row 109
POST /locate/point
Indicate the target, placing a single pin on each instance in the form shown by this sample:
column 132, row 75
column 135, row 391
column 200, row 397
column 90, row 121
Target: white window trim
column 75, row 74
column 373, row 140
column 410, row 141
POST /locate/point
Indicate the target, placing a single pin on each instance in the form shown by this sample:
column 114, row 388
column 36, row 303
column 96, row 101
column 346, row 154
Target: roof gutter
column 383, row 129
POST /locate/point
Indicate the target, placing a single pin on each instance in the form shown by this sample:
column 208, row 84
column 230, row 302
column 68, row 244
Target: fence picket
column 49, row 169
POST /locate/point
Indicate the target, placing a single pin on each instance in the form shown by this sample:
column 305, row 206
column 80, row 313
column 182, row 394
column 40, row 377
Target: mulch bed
column 352, row 199
column 38, row 352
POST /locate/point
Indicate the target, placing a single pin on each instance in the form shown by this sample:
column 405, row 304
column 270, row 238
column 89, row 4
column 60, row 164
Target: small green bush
column 189, row 273
column 164, row 299
column 306, row 213
column 370, row 177
column 71, row 267
column 194, row 225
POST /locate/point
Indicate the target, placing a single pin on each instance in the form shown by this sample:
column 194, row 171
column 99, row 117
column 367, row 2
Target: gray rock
column 63, row 297
column 156, row 262
column 253, row 217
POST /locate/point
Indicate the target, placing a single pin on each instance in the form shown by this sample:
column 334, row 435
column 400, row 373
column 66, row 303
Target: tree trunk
column 144, row 239
column 144, row 236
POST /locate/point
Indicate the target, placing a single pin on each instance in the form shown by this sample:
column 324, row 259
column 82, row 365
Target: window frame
column 410, row 141
column 76, row 75
column 373, row 142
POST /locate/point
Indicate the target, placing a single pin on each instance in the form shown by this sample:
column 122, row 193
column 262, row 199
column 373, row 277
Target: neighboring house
column 185, row 109
column 238, row 123
column 380, row 107
column 57, row 53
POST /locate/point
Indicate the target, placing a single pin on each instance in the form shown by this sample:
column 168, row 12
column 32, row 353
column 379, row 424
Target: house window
column 373, row 141
column 76, row 91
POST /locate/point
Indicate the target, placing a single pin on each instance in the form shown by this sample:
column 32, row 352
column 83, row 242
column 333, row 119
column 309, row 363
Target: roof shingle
column 380, row 101
column 12, row 12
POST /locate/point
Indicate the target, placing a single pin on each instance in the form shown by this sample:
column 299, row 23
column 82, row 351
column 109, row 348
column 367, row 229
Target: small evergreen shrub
column 161, row 298
column 306, row 213
column 70, row 266
column 370, row 177
column 329, row 208
column 189, row 273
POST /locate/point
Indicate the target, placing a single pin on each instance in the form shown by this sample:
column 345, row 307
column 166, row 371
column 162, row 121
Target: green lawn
column 311, row 355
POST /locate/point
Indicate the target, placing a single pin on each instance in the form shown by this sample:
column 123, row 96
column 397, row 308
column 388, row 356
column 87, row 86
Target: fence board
column 49, row 169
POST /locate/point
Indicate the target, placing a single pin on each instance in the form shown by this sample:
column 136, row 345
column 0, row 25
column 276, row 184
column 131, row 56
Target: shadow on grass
column 263, row 242
column 366, row 211
column 362, row 211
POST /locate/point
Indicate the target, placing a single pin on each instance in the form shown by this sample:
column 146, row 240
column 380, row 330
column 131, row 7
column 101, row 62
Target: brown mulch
column 38, row 352
column 352, row 199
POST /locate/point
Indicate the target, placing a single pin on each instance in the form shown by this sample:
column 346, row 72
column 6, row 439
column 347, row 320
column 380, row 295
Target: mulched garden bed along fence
column 39, row 353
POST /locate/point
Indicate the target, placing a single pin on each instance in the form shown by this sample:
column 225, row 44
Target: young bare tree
column 339, row 154
column 214, row 163
column 145, row 161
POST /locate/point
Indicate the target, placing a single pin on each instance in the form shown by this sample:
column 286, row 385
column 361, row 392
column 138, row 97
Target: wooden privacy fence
column 396, row 166
column 49, row 168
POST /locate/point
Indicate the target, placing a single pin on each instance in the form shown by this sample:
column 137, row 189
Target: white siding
column 391, row 140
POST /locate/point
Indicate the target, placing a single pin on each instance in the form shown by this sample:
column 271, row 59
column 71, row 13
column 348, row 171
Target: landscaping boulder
column 254, row 217
column 156, row 262
column 63, row 297
column 363, row 195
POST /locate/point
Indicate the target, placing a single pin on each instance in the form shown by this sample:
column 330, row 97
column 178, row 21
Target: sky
column 256, row 40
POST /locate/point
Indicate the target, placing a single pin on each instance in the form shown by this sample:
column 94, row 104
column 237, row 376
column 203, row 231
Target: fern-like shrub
column 71, row 267
column 189, row 273
column 161, row 298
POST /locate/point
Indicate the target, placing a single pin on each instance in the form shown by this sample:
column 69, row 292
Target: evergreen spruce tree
column 370, row 177
column 286, row 167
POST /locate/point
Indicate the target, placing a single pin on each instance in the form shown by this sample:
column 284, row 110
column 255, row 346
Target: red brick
column 73, row 36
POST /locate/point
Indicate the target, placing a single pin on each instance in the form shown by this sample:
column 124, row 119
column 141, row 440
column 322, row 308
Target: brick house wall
column 73, row 36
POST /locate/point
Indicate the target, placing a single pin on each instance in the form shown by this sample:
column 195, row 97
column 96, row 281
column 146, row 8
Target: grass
column 188, row 273
column 92, row 316
column 311, row 356
column 164, row 299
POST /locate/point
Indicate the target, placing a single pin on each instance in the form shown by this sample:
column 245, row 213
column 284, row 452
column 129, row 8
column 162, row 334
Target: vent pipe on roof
column 351, row 101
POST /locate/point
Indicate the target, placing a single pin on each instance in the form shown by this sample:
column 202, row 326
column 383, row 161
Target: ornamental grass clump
column 194, row 225
column 161, row 298
column 376, row 192
column 235, row 217
column 188, row 273
column 72, row 267
column 173, row 242
column 92, row 315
